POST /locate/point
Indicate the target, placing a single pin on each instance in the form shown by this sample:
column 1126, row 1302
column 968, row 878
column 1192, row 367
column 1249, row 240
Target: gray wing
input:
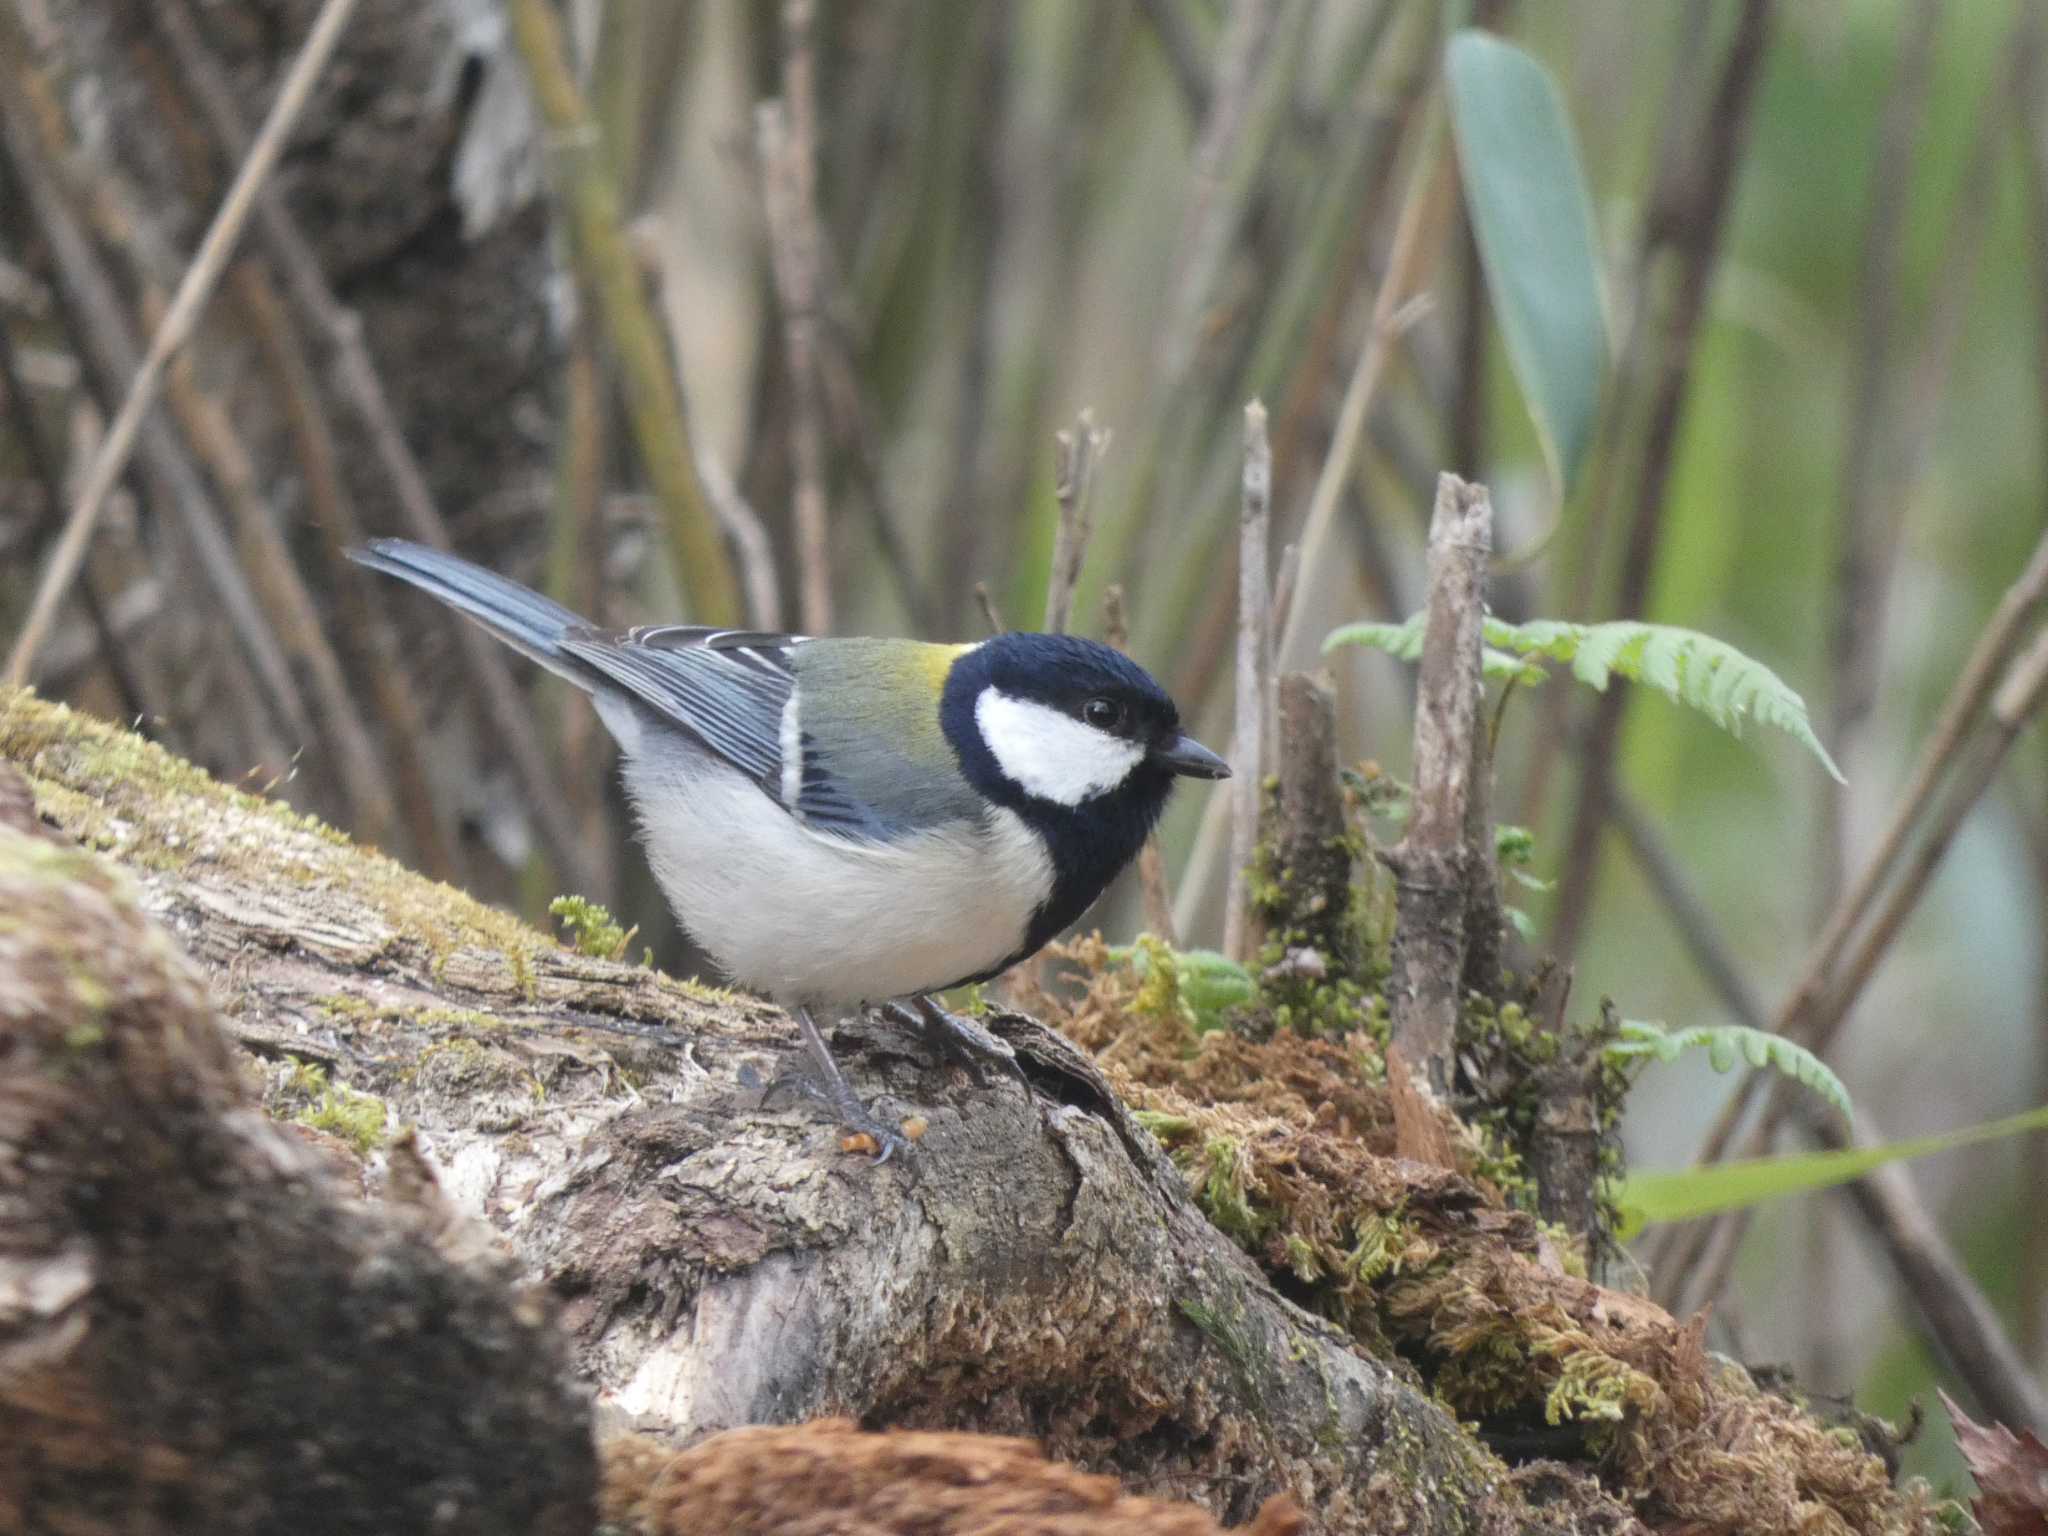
column 727, row 688
column 730, row 690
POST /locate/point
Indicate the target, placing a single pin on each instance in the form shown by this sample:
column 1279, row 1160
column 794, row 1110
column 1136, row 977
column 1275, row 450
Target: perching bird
column 851, row 822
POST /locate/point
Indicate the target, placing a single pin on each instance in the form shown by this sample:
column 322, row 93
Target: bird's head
column 1052, row 723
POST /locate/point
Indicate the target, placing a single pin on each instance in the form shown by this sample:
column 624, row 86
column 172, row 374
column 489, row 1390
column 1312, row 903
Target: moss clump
column 341, row 1111
column 1503, row 1054
column 591, row 929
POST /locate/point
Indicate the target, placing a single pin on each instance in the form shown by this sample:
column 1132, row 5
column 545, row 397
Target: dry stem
column 1431, row 862
column 1254, row 663
column 1077, row 455
column 193, row 292
column 654, row 401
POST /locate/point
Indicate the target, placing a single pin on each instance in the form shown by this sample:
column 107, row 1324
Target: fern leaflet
column 1725, row 1044
column 1688, row 667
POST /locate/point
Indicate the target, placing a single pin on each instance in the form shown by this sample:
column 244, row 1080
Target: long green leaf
column 1680, row 1194
column 1525, row 191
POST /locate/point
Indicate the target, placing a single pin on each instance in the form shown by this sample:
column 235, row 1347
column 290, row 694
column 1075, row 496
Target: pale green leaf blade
column 1682, row 1194
column 1525, row 190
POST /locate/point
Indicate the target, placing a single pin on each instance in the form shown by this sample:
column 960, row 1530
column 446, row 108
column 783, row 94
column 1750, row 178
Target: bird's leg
column 833, row 1088
column 956, row 1037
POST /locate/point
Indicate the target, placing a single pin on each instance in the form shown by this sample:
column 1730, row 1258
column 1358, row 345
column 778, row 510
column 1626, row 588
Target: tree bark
column 1035, row 1266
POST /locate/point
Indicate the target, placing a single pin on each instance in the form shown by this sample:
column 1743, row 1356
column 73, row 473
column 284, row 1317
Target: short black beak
column 1188, row 757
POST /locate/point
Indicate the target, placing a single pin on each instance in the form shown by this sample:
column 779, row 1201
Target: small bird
column 844, row 822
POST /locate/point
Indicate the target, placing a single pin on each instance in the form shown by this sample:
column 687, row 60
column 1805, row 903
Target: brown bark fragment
column 1433, row 863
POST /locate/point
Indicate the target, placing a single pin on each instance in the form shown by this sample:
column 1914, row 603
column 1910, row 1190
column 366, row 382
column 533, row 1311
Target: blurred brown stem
column 185, row 308
column 357, row 381
column 786, row 133
column 1254, row 664
column 1867, row 525
column 1706, row 186
column 289, row 606
column 94, row 310
column 1077, row 455
column 604, row 256
column 1152, row 886
column 1817, row 998
column 332, row 515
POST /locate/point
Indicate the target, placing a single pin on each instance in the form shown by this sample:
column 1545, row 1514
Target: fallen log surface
column 1035, row 1266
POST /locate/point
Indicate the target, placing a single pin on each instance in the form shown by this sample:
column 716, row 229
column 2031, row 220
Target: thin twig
column 1152, row 884
column 1966, row 699
column 854, row 428
column 990, row 614
column 358, row 382
column 1254, row 663
column 1617, row 446
column 1691, row 919
column 294, row 618
column 178, row 320
column 137, row 693
column 575, row 567
column 1711, row 175
column 1210, row 217
column 97, row 317
column 1422, row 208
column 1416, row 235
column 654, row 401
column 332, row 514
column 1866, row 534
column 786, row 139
column 1077, row 455
column 749, row 537
column 1183, row 51
column 2020, row 695
column 1958, row 1315
column 1285, row 582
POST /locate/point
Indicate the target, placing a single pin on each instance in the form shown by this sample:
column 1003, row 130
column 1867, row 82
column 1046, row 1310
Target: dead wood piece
column 1035, row 1268
column 1310, row 900
column 1433, row 862
column 828, row 1477
column 199, row 1329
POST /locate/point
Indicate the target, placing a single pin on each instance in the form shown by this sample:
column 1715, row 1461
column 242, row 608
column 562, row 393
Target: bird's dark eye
column 1103, row 714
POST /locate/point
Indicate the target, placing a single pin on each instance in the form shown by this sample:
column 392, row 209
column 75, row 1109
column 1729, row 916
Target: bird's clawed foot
column 827, row 1085
column 956, row 1038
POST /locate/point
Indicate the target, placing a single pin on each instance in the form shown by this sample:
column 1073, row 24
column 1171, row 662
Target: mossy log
column 1035, row 1266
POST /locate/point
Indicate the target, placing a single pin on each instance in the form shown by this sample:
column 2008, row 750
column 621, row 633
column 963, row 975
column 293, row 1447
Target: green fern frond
column 1725, row 1044
column 1404, row 643
column 1688, row 667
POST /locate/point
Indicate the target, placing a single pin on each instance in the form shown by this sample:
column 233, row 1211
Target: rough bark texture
column 1432, row 862
column 199, row 1329
column 413, row 175
column 1036, row 1267
column 1311, row 843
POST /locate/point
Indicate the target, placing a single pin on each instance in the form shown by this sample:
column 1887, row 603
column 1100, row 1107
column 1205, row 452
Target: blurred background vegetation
column 1823, row 245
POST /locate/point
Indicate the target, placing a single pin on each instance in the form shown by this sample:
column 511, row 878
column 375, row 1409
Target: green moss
column 592, row 930
column 1228, row 1332
column 1223, row 1190
column 1380, row 1243
column 120, row 794
column 339, row 1110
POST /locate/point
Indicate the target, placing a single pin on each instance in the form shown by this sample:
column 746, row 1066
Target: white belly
column 805, row 917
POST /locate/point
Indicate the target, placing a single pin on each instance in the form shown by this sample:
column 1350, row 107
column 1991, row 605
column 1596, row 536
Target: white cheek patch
column 1051, row 755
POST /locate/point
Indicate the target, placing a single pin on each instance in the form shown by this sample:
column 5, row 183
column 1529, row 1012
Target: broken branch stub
column 1433, row 863
column 1310, row 893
